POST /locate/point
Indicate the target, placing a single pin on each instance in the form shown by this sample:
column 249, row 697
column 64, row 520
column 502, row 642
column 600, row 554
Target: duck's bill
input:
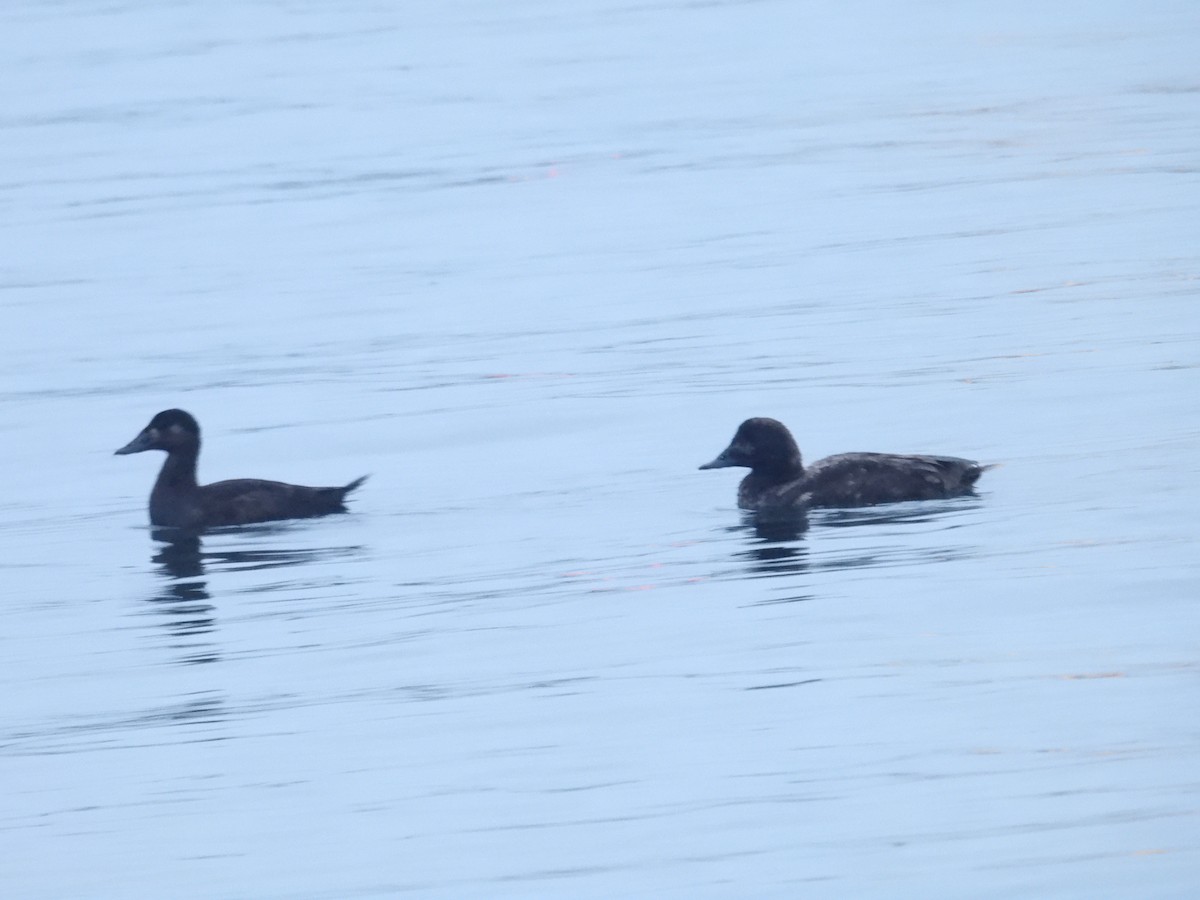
column 137, row 445
column 721, row 462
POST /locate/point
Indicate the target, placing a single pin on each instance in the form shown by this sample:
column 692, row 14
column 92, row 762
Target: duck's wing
column 864, row 479
column 242, row 501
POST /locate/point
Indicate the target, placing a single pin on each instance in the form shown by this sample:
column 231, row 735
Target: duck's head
column 764, row 445
column 171, row 429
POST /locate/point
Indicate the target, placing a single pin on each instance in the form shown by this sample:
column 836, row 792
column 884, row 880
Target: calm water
column 529, row 265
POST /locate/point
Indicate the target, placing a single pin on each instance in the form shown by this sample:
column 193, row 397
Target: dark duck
column 178, row 501
column 779, row 480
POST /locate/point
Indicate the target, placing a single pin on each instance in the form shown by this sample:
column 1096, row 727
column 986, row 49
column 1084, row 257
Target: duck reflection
column 898, row 534
column 894, row 514
column 184, row 599
column 780, row 544
column 775, row 542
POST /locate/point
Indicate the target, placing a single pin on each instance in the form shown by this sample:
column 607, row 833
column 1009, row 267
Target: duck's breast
column 173, row 507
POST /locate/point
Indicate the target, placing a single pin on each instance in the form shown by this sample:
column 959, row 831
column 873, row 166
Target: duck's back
column 865, row 479
column 242, row 501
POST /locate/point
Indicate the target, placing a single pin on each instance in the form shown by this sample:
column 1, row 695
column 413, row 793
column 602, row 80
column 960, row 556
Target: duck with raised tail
column 179, row 501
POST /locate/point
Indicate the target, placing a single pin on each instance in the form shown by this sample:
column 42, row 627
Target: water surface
column 529, row 266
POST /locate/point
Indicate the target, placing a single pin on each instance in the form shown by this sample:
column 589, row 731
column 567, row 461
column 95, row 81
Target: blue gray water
column 528, row 265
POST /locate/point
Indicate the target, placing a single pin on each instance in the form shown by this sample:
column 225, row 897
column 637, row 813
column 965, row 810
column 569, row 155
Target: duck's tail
column 333, row 499
column 354, row 485
column 977, row 470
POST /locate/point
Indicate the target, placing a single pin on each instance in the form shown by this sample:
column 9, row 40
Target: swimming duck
column 178, row 501
column 778, row 480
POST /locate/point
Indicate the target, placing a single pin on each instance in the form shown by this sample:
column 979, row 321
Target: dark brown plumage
column 178, row 501
column 779, row 480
